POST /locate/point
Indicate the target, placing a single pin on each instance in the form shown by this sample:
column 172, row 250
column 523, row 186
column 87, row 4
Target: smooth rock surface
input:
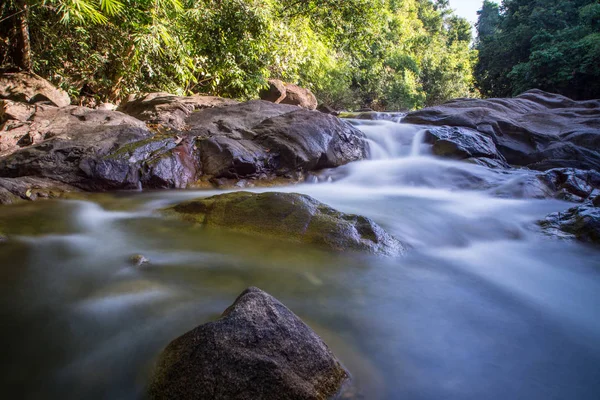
column 289, row 216
column 30, row 88
column 461, row 143
column 258, row 349
column 536, row 129
column 257, row 138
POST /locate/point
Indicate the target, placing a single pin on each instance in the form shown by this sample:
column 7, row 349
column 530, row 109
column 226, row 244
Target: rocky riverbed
column 354, row 222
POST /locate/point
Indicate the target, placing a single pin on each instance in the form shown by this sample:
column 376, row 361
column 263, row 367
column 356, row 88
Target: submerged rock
column 581, row 222
column 258, row 349
column 289, row 216
column 536, row 129
column 137, row 260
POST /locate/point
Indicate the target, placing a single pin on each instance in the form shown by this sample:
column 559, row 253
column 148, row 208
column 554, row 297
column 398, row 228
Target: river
column 483, row 306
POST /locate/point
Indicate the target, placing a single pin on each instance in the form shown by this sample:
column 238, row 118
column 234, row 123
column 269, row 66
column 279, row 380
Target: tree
column 385, row 54
column 547, row 44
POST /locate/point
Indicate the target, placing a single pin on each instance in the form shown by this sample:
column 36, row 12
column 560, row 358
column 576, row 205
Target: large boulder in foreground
column 536, row 129
column 289, row 216
column 258, row 349
column 170, row 111
column 30, row 88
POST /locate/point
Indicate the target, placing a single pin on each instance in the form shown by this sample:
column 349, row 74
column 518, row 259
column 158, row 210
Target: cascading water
column 483, row 306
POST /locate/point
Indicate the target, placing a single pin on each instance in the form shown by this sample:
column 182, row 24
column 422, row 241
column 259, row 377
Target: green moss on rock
column 288, row 216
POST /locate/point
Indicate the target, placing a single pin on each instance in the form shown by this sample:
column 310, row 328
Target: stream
column 483, row 306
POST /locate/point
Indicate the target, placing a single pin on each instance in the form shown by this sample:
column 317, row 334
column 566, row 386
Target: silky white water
column 483, row 306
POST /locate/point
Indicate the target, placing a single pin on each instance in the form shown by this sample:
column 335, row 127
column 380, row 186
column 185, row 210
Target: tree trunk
column 23, row 50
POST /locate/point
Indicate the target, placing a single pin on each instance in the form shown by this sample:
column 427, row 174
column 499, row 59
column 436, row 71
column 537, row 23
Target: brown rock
column 168, row 110
column 298, row 96
column 275, row 93
column 30, row 88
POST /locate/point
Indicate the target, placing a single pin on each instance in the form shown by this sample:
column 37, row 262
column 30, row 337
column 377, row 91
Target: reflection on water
column 482, row 307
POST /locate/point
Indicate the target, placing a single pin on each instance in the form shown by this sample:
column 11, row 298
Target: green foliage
column 385, row 54
column 547, row 44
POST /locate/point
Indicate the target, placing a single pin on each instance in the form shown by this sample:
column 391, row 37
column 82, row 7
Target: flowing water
column 482, row 307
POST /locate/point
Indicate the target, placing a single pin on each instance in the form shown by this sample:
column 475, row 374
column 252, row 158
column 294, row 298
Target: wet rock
column 30, row 88
column 289, row 216
column 461, row 143
column 571, row 184
column 492, row 163
column 13, row 190
column 287, row 93
column 537, row 129
column 168, row 110
column 582, row 222
column 261, row 138
column 258, row 349
column 137, row 260
column 560, row 183
column 305, row 140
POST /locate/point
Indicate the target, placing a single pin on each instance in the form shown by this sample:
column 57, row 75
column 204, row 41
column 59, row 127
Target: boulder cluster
column 160, row 141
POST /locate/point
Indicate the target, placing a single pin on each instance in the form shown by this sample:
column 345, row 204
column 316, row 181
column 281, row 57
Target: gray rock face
column 581, row 222
column 258, row 349
column 168, row 110
column 30, row 88
column 289, row 216
column 537, row 129
column 90, row 149
column 104, row 150
column 461, row 143
column 258, row 138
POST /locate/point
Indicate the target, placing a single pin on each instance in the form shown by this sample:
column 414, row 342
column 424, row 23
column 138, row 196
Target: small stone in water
column 138, row 260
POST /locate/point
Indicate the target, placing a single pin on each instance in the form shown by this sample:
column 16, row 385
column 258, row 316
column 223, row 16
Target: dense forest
column 553, row 45
column 384, row 54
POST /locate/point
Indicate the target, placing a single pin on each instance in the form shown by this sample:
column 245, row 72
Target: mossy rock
column 289, row 216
